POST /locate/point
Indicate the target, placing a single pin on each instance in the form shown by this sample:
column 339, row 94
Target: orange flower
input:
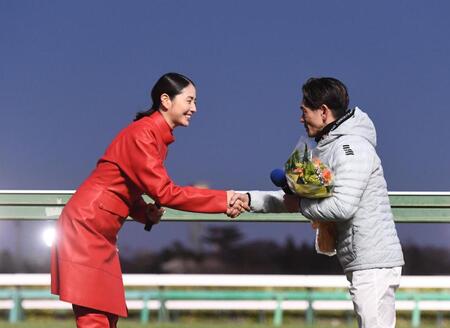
column 326, row 175
column 316, row 162
column 298, row 170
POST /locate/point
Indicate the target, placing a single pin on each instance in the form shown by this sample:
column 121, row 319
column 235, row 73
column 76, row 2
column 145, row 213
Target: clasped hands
column 237, row 203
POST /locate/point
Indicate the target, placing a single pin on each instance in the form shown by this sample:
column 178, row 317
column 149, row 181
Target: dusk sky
column 74, row 73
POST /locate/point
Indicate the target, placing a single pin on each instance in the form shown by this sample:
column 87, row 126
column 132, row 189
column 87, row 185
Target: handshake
column 237, row 203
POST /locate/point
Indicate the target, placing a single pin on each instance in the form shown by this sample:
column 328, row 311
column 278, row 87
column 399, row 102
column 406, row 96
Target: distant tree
column 426, row 260
column 303, row 259
column 142, row 262
column 258, row 256
column 223, row 238
column 289, row 258
column 7, row 263
column 230, row 254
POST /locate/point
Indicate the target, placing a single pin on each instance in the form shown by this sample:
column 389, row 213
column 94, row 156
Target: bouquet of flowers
column 308, row 177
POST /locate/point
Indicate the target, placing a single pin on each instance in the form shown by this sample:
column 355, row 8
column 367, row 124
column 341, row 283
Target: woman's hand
column 237, row 203
column 154, row 213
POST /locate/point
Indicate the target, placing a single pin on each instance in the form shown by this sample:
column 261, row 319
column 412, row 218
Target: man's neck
column 334, row 124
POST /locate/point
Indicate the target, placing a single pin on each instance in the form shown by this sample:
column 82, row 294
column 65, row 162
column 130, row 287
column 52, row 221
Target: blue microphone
column 278, row 178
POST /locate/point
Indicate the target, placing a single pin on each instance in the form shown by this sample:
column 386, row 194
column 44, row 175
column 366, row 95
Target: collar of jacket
column 333, row 125
column 163, row 127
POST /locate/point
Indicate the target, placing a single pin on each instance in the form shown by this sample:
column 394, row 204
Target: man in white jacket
column 367, row 244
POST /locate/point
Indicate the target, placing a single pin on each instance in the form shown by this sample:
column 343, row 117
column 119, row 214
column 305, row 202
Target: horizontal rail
column 229, row 280
column 233, row 295
column 269, row 305
column 223, row 295
column 413, row 207
column 17, row 300
column 276, row 293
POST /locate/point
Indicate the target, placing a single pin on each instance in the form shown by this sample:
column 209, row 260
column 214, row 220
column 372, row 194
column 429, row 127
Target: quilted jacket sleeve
column 352, row 171
column 267, row 201
column 143, row 165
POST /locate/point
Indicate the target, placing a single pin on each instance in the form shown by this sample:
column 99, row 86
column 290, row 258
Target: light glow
column 48, row 236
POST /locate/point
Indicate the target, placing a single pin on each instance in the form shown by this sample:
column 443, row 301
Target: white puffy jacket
column 367, row 237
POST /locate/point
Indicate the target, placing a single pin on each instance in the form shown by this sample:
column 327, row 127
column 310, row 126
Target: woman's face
column 179, row 110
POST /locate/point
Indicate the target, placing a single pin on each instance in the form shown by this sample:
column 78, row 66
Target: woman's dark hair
column 171, row 84
column 326, row 91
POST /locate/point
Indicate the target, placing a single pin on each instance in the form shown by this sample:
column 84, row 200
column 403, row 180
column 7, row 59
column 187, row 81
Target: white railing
column 231, row 280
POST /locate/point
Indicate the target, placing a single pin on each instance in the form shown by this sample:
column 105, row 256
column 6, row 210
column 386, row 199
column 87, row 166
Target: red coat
column 85, row 266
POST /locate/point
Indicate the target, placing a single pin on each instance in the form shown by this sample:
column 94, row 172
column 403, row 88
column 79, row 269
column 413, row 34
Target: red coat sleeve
column 140, row 160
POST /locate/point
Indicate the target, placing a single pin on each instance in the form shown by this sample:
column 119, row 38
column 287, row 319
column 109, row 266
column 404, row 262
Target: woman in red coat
column 85, row 266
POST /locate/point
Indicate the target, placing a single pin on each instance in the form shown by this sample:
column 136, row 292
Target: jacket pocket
column 110, row 216
column 113, row 204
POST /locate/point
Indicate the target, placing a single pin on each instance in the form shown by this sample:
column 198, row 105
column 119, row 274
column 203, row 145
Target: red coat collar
column 163, row 127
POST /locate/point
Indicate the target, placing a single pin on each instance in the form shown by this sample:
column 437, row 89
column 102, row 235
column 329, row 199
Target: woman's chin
column 184, row 123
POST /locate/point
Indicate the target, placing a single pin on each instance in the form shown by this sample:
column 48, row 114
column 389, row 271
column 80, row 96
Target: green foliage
column 292, row 160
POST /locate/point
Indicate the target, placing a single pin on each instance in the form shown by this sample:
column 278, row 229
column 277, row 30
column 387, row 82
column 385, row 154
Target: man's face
column 312, row 119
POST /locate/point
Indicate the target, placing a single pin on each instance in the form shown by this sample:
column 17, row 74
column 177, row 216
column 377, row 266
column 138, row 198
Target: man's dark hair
column 326, row 91
column 170, row 83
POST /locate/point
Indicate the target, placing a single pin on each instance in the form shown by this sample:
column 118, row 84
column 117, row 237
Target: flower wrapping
column 308, row 177
column 325, row 242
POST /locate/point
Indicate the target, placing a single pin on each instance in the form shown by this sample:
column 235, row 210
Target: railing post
column 145, row 312
column 163, row 313
column 415, row 320
column 350, row 318
column 439, row 319
column 261, row 316
column 278, row 314
column 16, row 312
column 309, row 310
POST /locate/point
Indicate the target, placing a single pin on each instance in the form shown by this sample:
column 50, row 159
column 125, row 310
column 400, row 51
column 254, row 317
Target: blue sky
column 72, row 74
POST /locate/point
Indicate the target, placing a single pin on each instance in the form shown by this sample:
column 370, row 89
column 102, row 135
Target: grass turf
column 128, row 323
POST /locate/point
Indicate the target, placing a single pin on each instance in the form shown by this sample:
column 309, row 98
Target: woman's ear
column 165, row 101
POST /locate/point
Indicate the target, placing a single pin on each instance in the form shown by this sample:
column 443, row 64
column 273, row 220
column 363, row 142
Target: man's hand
column 292, row 203
column 154, row 213
column 237, row 204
